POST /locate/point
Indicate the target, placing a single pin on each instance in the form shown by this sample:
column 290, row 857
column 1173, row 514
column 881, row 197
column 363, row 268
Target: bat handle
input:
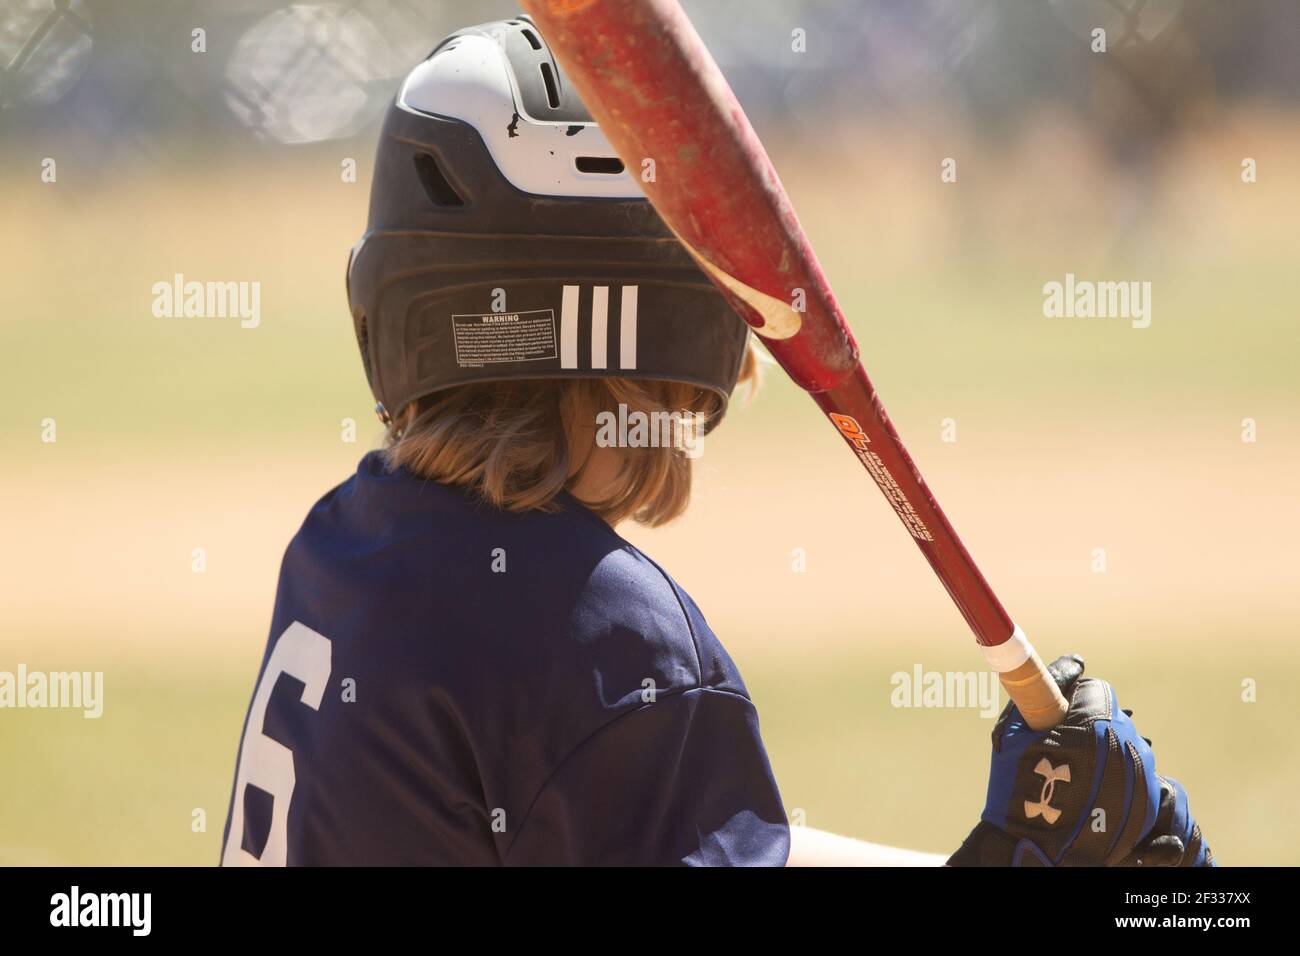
column 1028, row 683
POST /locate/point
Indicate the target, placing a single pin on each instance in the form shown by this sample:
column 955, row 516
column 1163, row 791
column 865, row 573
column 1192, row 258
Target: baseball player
column 467, row 664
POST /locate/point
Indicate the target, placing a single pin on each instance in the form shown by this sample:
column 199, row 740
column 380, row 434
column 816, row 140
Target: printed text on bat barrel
column 852, row 431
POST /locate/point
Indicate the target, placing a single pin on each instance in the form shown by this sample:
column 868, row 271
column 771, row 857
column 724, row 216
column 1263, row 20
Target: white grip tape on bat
column 1010, row 654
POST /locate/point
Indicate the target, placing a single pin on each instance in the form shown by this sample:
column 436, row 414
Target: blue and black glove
column 1085, row 793
column 1176, row 838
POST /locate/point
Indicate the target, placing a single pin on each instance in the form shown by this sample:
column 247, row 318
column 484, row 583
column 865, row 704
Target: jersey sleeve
column 681, row 781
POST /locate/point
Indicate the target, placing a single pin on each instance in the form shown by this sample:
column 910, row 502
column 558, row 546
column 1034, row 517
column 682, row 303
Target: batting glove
column 1084, row 793
column 1176, row 839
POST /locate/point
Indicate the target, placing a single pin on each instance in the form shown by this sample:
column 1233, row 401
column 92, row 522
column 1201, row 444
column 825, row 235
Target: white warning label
column 496, row 337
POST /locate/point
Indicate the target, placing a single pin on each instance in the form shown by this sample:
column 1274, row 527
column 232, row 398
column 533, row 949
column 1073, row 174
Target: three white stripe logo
column 599, row 327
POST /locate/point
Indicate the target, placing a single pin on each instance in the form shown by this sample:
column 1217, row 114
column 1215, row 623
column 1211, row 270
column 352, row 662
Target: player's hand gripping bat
column 658, row 95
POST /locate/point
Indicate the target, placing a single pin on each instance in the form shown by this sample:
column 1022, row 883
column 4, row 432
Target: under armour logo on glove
column 1050, row 775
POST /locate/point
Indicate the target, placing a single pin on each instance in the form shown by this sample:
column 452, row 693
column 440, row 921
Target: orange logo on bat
column 850, row 429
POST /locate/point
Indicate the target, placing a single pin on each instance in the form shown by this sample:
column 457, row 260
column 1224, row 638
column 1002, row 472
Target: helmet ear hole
column 435, row 183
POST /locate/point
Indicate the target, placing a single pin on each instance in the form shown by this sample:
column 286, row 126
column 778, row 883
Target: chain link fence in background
column 136, row 73
column 45, row 46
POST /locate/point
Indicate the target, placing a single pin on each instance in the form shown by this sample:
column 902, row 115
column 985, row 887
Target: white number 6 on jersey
column 265, row 763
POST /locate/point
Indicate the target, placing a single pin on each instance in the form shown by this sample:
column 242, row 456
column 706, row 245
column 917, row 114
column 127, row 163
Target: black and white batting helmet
column 507, row 241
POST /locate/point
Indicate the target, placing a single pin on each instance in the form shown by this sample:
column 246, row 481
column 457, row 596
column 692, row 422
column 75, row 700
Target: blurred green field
column 182, row 433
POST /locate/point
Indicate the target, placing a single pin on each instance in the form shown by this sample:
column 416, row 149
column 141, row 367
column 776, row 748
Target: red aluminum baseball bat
column 664, row 105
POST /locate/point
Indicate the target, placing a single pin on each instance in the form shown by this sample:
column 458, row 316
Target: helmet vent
column 531, row 37
column 606, row 165
column 552, row 88
column 436, row 185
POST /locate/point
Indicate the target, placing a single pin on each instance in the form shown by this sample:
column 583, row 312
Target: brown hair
column 518, row 444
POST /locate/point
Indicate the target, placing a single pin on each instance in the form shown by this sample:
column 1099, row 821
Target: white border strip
column 569, row 327
column 1010, row 654
column 627, row 328
column 599, row 325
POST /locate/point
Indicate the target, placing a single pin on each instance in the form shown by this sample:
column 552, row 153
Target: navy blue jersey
column 446, row 683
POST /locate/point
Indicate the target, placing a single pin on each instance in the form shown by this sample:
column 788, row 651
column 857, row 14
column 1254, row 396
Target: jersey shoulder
column 628, row 600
